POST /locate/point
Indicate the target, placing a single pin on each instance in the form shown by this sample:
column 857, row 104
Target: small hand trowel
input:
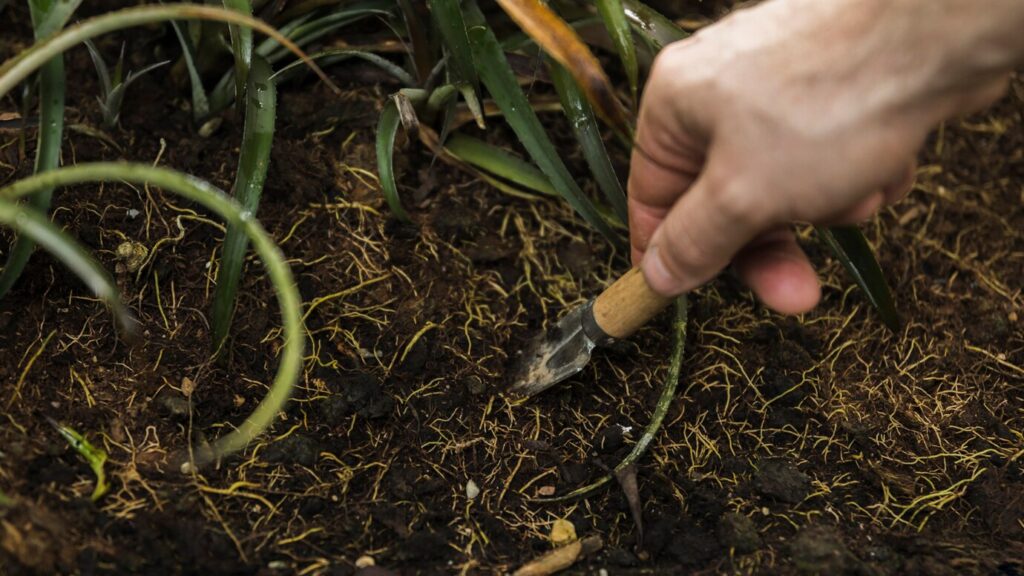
column 564, row 349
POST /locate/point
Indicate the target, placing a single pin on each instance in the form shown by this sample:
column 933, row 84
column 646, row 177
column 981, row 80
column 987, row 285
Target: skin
column 799, row 111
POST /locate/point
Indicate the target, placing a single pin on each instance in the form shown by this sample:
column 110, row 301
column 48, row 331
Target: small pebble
column 472, row 490
column 365, row 562
column 546, row 491
column 562, row 532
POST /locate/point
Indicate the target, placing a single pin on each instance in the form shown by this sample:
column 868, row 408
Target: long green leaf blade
column 614, row 17
column 257, row 139
column 852, row 249
column 241, row 45
column 387, row 129
column 500, row 81
column 588, row 134
column 45, row 13
column 280, row 275
column 447, row 15
column 499, row 163
column 200, row 102
column 657, row 29
column 33, row 225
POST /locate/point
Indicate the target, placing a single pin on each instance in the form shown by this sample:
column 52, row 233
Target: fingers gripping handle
column 625, row 306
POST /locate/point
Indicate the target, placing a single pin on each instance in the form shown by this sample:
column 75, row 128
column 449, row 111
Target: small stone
column 472, row 490
column 188, row 386
column 546, row 491
column 365, row 561
column 210, row 126
column 132, row 254
column 562, row 532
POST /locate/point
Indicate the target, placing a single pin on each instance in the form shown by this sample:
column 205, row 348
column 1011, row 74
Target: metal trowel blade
column 553, row 356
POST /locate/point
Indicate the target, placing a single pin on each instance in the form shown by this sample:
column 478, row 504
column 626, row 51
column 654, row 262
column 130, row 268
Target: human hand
column 795, row 110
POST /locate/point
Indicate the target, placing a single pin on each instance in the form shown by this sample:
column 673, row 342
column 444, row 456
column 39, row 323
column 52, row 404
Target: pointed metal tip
column 553, row 356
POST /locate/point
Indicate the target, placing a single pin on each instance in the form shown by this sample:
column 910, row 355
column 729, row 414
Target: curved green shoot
column 18, row 68
column 679, row 324
column 588, row 134
column 48, row 16
column 329, row 57
column 852, row 249
column 614, row 17
column 93, row 455
column 500, row 163
column 497, row 76
column 114, row 85
column 35, row 227
column 277, row 269
column 257, row 138
column 387, row 129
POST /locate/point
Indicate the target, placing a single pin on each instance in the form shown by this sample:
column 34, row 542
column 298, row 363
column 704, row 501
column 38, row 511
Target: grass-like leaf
column 422, row 56
column 31, row 224
column 200, row 101
column 614, row 17
column 96, row 457
column 333, row 56
column 241, row 45
column 253, row 161
column 387, row 129
column 675, row 365
column 114, row 85
column 18, row 68
column 299, row 33
column 47, row 17
column 500, row 163
column 852, row 249
column 447, row 16
column 500, row 81
column 277, row 269
column 559, row 40
column 588, row 134
column 649, row 23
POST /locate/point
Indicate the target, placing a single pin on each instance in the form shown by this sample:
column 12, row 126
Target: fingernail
column 657, row 274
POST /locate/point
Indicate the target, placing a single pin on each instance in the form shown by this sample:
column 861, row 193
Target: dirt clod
column 782, row 481
column 738, row 532
column 296, row 448
column 820, row 550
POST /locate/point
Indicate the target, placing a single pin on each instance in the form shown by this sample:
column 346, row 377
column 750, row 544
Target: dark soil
column 823, row 444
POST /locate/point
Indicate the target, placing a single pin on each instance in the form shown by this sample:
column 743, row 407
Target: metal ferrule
column 591, row 328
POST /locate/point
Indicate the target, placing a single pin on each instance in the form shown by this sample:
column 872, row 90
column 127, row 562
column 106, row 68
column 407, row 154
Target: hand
column 795, row 110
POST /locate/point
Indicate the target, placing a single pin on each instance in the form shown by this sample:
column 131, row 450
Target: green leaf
column 31, row 224
column 499, row 163
column 49, row 16
column 93, row 455
column 387, row 128
column 447, row 15
column 257, row 138
column 657, row 29
column 588, row 134
column 852, row 249
column 614, row 17
column 45, row 13
column 241, row 45
column 200, row 102
column 500, row 81
column 328, row 57
column 280, row 275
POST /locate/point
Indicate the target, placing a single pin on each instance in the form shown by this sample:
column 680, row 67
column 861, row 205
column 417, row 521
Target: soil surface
column 821, row 444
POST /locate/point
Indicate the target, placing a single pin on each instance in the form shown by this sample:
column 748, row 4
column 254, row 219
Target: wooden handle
column 627, row 305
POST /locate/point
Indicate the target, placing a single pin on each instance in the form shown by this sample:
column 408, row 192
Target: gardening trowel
column 564, row 349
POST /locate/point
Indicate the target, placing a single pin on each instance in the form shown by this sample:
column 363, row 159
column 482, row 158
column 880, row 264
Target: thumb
column 704, row 230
